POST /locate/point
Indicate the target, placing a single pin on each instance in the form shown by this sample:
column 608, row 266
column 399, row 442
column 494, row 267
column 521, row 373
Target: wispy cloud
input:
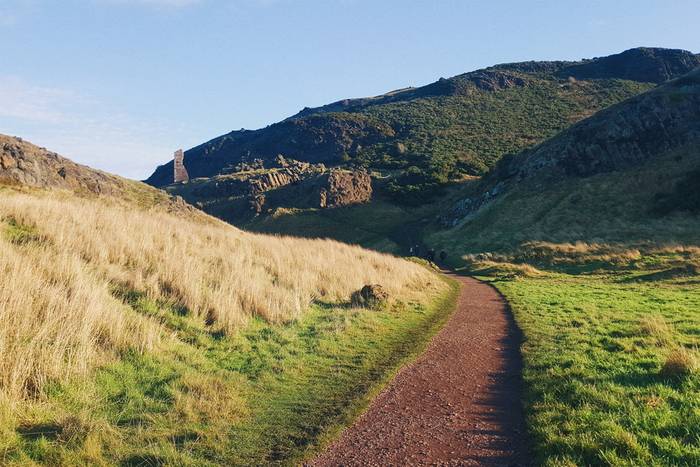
column 21, row 100
column 82, row 128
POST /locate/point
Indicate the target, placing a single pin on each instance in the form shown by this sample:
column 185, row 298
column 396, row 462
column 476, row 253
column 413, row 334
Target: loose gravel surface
column 457, row 404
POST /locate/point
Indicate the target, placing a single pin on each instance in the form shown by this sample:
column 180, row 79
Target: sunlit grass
column 610, row 367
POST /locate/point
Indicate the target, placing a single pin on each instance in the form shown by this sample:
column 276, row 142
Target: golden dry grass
column 61, row 258
column 484, row 267
column 57, row 319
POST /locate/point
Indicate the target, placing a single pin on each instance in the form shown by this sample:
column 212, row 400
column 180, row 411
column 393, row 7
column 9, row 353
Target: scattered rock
column 257, row 203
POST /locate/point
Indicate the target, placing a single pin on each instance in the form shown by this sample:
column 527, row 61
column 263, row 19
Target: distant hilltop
column 450, row 128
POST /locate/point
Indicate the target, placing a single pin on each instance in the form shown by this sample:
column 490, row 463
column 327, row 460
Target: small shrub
column 680, row 362
column 74, row 428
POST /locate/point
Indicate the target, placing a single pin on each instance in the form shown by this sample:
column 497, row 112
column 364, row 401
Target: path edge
column 447, row 306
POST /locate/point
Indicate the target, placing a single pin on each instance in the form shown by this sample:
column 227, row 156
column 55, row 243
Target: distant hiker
column 443, row 256
column 431, row 255
column 410, row 251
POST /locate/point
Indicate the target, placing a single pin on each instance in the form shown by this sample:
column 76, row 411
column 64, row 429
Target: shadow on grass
column 143, row 460
column 688, row 271
column 49, row 431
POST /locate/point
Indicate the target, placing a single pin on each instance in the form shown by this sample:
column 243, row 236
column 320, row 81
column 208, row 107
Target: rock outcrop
column 258, row 180
column 22, row 163
column 289, row 183
column 645, row 64
column 344, row 187
column 484, row 80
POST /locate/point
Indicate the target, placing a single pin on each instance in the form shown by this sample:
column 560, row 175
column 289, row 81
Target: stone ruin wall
column 180, row 172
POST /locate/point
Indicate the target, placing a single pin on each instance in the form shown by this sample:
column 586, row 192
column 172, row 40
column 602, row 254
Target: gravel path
column 458, row 404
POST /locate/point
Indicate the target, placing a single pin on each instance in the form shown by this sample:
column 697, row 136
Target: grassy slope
column 261, row 392
column 587, row 266
column 380, row 225
column 605, row 208
column 268, row 395
column 470, row 133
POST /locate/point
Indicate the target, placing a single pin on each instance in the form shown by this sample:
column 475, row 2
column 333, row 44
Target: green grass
column 619, row 207
column 595, row 391
column 470, row 133
column 271, row 394
column 19, row 233
column 605, row 289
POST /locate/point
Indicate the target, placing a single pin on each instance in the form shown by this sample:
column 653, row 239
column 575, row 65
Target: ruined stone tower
column 180, row 172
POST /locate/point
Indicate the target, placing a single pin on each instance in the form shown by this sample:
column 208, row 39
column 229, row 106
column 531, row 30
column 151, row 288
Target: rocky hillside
column 628, row 174
column 623, row 136
column 23, row 164
column 262, row 187
column 423, row 137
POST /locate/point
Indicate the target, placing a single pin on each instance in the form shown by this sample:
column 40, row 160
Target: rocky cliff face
column 22, row 163
column 344, row 188
column 285, row 182
column 258, row 179
column 622, row 136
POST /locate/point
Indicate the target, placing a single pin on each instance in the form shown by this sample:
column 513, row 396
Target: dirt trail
column 458, row 404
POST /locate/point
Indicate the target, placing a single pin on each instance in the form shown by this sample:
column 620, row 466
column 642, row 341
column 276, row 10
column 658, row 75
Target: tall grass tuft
column 655, row 326
column 679, row 362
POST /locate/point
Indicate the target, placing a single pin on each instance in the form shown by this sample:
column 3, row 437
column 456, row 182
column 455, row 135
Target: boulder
column 370, row 296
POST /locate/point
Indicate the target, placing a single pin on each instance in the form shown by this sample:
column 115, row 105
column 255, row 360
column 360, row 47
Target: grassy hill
column 614, row 177
column 420, row 144
column 143, row 332
column 442, row 131
column 594, row 237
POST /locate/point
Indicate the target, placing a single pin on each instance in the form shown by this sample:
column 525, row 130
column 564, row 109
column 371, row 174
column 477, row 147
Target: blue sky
column 120, row 84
